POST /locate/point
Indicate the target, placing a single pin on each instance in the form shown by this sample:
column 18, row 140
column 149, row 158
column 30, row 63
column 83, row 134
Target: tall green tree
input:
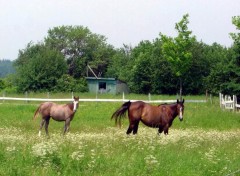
column 234, row 66
column 39, row 67
column 141, row 71
column 218, row 58
column 120, row 64
column 80, row 47
column 177, row 50
column 163, row 79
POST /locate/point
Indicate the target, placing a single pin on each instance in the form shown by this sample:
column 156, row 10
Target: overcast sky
column 120, row 21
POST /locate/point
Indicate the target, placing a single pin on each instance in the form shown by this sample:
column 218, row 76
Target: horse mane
column 167, row 104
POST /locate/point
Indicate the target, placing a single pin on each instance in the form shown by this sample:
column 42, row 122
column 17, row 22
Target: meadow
column 206, row 142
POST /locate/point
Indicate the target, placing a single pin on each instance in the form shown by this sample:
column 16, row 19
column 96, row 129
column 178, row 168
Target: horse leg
column 160, row 130
column 67, row 125
column 46, row 125
column 130, row 128
column 135, row 128
column 41, row 125
column 166, row 129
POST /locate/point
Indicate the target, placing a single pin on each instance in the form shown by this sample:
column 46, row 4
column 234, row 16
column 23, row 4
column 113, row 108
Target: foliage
column 160, row 66
column 68, row 84
column 2, row 84
column 142, row 71
column 177, row 50
column 39, row 68
column 80, row 47
column 234, row 66
column 224, row 76
column 236, row 36
column 120, row 64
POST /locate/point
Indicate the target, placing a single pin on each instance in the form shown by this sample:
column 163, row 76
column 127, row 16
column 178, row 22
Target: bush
column 68, row 84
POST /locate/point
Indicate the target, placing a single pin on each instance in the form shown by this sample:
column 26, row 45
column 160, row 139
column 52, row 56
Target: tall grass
column 207, row 142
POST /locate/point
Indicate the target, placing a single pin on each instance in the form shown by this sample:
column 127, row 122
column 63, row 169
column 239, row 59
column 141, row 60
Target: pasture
column 206, row 142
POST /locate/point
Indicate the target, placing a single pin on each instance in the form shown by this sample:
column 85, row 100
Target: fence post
column 123, row 96
column 26, row 96
column 149, row 97
column 206, row 95
column 3, row 97
column 220, row 99
column 234, row 102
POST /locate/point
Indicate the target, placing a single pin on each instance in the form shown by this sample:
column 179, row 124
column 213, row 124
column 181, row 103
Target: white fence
column 93, row 100
column 228, row 102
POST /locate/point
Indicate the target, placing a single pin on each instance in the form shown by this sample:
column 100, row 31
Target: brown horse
column 57, row 112
column 160, row 117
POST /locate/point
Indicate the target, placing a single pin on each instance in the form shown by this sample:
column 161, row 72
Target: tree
column 141, row 71
column 218, row 59
column 236, row 36
column 163, row 79
column 177, row 50
column 225, row 74
column 234, row 65
column 80, row 47
column 38, row 68
column 119, row 64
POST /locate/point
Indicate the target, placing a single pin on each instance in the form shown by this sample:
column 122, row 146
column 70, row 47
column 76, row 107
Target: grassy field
column 207, row 142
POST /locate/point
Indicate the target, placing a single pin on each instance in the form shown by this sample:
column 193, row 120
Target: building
column 106, row 85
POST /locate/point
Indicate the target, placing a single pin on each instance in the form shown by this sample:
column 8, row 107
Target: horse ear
column 76, row 97
column 177, row 101
column 183, row 101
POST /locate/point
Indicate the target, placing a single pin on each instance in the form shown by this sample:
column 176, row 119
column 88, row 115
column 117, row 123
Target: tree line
column 165, row 65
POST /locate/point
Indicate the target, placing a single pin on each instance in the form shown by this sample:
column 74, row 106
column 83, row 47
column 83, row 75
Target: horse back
column 45, row 108
column 135, row 110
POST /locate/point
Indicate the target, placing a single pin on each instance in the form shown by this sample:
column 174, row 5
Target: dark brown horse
column 63, row 112
column 160, row 116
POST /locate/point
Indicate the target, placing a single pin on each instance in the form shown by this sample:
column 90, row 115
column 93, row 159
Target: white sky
column 120, row 21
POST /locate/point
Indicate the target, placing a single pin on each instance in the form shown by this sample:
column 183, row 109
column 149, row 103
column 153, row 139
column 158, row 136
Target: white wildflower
column 11, row 149
column 77, row 155
column 150, row 160
column 44, row 148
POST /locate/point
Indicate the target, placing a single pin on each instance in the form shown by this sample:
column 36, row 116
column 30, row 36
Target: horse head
column 75, row 103
column 180, row 109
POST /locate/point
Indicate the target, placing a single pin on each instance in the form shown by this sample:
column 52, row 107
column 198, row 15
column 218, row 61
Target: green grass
column 207, row 142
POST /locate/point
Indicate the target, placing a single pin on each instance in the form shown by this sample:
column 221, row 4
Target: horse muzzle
column 181, row 118
column 180, row 115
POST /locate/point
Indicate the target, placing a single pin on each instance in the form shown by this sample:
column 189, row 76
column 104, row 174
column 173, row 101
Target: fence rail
column 228, row 102
column 93, row 100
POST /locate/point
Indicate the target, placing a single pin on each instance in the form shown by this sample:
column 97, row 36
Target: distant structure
column 106, row 85
column 97, row 84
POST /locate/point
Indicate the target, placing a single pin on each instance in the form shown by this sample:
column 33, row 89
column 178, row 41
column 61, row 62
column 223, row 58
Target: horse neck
column 173, row 108
column 71, row 106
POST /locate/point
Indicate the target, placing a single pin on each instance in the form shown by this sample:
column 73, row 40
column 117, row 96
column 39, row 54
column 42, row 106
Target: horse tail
column 36, row 113
column 121, row 112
